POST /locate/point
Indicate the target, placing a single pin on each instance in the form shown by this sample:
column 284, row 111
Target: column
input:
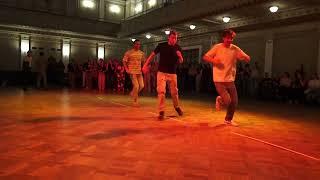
column 66, row 53
column 24, row 47
column 101, row 10
column 71, row 7
column 268, row 56
column 318, row 61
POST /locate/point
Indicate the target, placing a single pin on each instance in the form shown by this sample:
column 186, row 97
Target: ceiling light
column 152, row 3
column 167, row 32
column 133, row 39
column 226, row 19
column 138, row 8
column 273, row 9
column 88, row 3
column 148, row 36
column 192, row 27
column 114, row 8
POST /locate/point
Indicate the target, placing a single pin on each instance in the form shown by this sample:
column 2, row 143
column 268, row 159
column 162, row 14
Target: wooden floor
column 80, row 135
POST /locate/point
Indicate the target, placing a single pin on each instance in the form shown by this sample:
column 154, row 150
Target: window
column 192, row 54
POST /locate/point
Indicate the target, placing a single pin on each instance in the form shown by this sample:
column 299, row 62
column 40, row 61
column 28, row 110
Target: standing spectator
column 120, row 78
column 192, row 73
column 198, row 78
column 110, row 75
column 42, row 70
column 26, row 70
column 246, row 80
column 60, row 72
column 101, row 75
column 85, row 69
column 71, row 74
column 255, row 78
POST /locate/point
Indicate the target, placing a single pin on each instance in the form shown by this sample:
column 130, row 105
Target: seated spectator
column 266, row 87
column 312, row 93
column 285, row 86
column 298, row 87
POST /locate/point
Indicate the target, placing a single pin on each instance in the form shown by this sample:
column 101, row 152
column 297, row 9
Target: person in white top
column 224, row 58
column 312, row 93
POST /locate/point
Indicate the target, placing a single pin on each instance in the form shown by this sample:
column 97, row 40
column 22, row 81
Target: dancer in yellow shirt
column 132, row 62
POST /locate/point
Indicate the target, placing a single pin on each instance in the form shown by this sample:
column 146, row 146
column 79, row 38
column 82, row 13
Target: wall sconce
column 101, row 51
column 66, row 49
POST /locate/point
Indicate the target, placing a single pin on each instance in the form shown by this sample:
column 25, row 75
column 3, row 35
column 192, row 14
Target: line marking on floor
column 238, row 134
column 119, row 104
column 277, row 146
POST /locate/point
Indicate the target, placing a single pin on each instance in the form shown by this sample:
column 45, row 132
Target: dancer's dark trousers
column 228, row 92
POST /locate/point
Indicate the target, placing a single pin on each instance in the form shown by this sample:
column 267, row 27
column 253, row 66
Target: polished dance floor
column 81, row 135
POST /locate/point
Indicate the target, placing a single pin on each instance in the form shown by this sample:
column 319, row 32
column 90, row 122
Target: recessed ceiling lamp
column 148, row 36
column 88, row 3
column 138, row 8
column 273, row 9
column 152, row 3
column 226, row 19
column 192, row 27
column 114, row 8
column 133, row 39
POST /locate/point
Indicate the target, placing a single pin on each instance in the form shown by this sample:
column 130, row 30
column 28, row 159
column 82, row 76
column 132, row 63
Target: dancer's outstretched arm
column 145, row 67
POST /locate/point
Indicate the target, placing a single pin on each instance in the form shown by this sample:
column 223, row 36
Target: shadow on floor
column 66, row 118
column 157, row 133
